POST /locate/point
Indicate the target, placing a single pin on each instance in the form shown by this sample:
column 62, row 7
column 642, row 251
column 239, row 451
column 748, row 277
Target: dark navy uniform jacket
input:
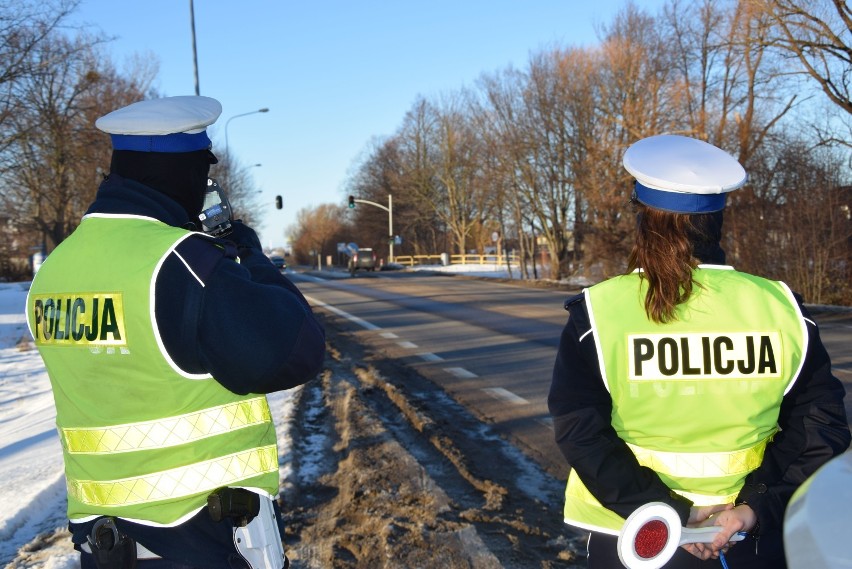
column 248, row 326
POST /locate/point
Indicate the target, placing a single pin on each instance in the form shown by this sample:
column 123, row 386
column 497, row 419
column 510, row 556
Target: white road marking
column 460, row 372
column 430, row 357
column 505, row 395
column 350, row 317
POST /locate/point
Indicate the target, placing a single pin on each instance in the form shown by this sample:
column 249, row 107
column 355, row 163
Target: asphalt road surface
column 491, row 345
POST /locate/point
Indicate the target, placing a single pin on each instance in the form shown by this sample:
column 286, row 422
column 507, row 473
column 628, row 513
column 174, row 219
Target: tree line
column 534, row 154
column 531, row 154
column 55, row 81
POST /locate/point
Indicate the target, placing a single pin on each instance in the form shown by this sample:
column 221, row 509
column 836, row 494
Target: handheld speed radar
column 215, row 214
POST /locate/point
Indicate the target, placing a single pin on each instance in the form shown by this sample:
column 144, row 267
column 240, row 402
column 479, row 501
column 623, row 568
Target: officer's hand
column 698, row 515
column 701, row 551
column 245, row 238
column 741, row 518
column 730, row 520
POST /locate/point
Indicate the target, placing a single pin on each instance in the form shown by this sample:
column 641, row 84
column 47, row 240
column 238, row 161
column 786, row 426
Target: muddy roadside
column 388, row 471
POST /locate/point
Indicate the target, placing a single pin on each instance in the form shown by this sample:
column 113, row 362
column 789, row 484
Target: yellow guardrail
column 469, row 259
column 413, row 260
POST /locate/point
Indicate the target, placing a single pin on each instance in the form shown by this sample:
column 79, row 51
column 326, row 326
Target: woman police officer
column 687, row 382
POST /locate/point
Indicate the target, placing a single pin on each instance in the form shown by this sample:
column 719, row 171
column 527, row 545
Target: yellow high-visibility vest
column 141, row 439
column 696, row 399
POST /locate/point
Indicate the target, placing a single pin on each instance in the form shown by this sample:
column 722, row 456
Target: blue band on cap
column 678, row 202
column 177, row 142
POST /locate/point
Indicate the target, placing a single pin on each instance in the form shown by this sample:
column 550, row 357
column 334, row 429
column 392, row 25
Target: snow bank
column 32, row 485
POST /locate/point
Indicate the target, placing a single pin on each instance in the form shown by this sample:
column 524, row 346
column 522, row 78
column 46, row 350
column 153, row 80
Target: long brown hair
column 664, row 252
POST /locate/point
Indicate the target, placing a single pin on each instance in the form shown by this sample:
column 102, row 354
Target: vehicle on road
column 364, row 258
column 278, row 261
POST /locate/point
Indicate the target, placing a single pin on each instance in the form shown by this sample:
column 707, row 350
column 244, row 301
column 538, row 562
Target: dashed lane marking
column 505, row 395
column 460, row 372
column 427, row 356
column 430, row 357
column 350, row 317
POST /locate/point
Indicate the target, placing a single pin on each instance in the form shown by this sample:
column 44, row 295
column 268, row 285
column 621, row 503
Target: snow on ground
column 484, row 270
column 32, row 487
column 493, row 270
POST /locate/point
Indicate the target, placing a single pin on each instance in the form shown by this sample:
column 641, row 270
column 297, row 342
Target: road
column 491, row 345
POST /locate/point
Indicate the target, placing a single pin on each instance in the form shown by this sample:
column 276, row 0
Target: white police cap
column 681, row 174
column 169, row 124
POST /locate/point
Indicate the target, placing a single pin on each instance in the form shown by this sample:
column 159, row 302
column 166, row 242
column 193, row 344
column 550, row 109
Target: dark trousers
column 603, row 554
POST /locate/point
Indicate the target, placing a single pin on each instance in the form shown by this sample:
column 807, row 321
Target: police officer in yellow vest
column 161, row 342
column 687, row 382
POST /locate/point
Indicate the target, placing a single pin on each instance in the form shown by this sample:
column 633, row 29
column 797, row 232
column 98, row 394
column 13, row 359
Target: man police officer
column 161, row 342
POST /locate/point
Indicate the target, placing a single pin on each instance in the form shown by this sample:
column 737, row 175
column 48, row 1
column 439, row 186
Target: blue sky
column 333, row 73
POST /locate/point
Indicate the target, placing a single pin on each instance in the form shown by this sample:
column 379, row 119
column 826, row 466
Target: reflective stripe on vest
column 685, row 465
column 700, row 464
column 583, row 510
column 189, row 480
column 168, row 432
column 576, row 489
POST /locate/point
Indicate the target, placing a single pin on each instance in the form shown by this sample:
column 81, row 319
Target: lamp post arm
column 227, row 122
column 378, row 205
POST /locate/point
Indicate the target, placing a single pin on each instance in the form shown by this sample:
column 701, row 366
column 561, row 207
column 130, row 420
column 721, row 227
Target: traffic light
column 279, row 203
column 351, row 202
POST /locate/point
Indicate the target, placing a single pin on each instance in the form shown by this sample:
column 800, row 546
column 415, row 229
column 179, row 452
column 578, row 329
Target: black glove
column 244, row 238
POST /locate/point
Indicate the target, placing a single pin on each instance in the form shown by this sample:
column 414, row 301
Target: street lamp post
column 194, row 50
column 388, row 209
column 263, row 110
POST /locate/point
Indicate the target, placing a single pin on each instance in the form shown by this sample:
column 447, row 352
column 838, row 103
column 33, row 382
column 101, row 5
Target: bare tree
column 816, row 32
column 808, row 225
column 636, row 96
column 549, row 177
column 316, row 231
column 375, row 178
column 501, row 120
column 58, row 152
column 442, row 155
column 24, row 27
column 532, row 122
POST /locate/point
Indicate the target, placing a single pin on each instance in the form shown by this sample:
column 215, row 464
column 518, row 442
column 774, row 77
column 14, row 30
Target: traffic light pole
column 389, row 209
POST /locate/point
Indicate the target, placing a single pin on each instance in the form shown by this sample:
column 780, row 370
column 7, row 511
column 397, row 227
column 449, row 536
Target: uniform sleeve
column 581, row 408
column 814, row 429
column 246, row 324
